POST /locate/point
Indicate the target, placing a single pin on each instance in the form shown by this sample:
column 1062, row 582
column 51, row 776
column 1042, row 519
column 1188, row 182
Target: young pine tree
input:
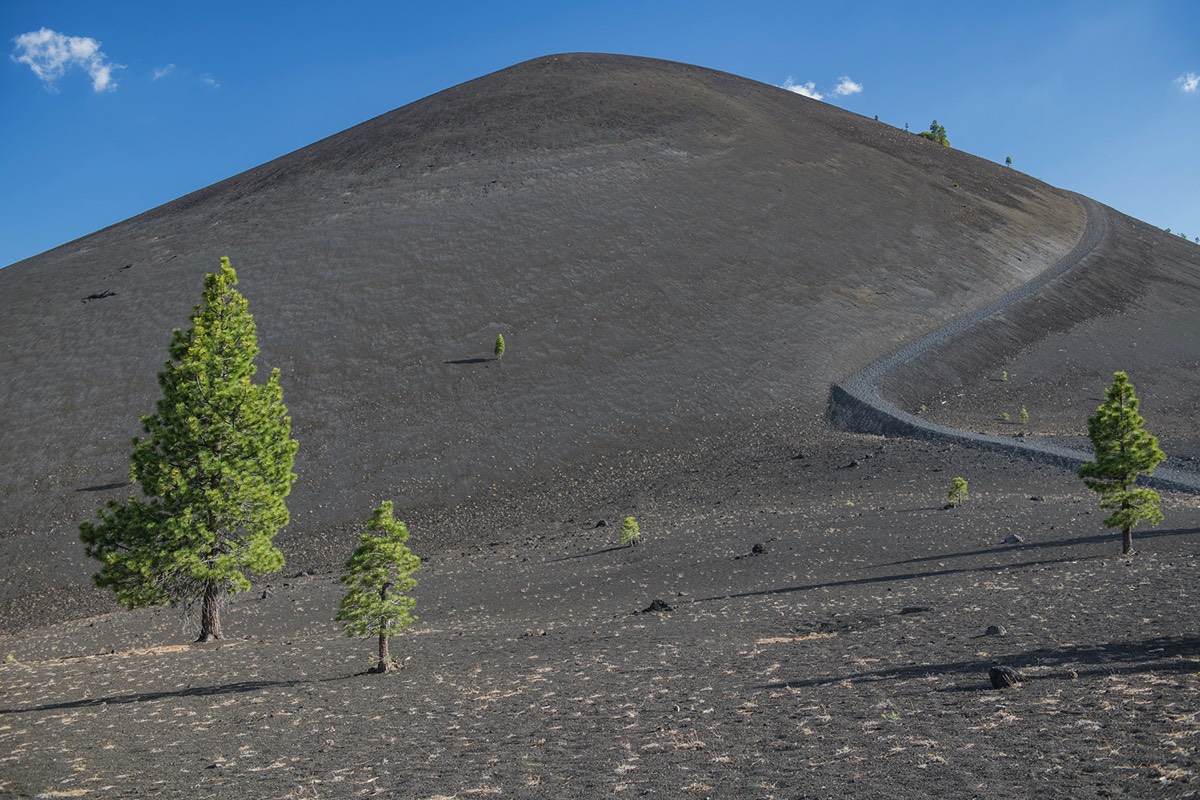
column 499, row 348
column 378, row 578
column 214, row 469
column 958, row 492
column 631, row 532
column 1123, row 450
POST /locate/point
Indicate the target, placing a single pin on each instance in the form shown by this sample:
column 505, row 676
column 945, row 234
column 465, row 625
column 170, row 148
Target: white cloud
column 163, row 72
column 50, row 54
column 846, row 87
column 1188, row 82
column 208, row 80
column 807, row 89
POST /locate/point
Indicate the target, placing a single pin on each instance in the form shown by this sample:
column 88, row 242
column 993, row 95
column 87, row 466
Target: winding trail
column 855, row 403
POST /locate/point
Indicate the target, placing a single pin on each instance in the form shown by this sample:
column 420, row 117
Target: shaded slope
column 663, row 246
column 855, row 403
column 1132, row 307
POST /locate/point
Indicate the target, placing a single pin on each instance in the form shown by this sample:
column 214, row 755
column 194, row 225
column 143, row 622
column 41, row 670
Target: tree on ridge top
column 936, row 133
column 214, row 468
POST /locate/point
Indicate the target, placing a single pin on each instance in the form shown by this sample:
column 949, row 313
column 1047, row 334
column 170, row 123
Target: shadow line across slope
column 856, row 405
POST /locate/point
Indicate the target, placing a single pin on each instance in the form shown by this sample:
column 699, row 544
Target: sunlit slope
column 663, row 246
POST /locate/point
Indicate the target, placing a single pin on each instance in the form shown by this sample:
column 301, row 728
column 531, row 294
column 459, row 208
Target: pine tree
column 631, row 532
column 936, row 133
column 378, row 578
column 958, row 492
column 214, row 469
column 1123, row 450
column 499, row 348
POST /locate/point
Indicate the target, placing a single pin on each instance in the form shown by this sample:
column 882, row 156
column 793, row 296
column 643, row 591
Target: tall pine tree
column 214, row 469
column 378, row 580
column 1123, row 450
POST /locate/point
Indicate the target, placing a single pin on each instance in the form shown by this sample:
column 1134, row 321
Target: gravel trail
column 856, row 405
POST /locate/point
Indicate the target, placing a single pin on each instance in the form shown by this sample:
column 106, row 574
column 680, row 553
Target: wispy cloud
column 50, row 54
column 808, row 89
column 162, row 72
column 847, row 87
column 1188, row 82
column 209, row 80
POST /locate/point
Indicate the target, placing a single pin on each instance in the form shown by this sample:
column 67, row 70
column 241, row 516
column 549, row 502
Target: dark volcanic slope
column 663, row 247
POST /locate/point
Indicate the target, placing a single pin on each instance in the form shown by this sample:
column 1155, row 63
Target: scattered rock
column 659, row 606
column 758, row 549
column 1002, row 677
column 303, row 573
column 1014, row 538
column 915, row 609
column 1037, row 498
column 995, row 630
column 800, row 456
column 266, row 593
column 601, row 524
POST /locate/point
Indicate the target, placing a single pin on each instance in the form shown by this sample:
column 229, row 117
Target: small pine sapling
column 1008, row 160
column 631, row 533
column 1004, row 375
column 958, row 492
column 1024, row 415
column 499, row 348
column 379, row 579
column 1005, row 416
column 1123, row 451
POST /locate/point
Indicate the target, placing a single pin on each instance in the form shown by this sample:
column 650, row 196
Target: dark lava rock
column 1037, row 498
column 601, row 524
column 1014, row 538
column 659, row 606
column 915, row 609
column 1002, row 677
column 758, row 549
column 995, row 630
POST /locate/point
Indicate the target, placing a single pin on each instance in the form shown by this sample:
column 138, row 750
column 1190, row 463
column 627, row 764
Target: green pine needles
column 631, row 532
column 958, row 492
column 379, row 578
column 1123, row 451
column 214, row 469
column 499, row 348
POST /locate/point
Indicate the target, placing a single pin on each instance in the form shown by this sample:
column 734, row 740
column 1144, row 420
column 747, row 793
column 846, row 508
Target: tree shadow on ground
column 905, row 576
column 1078, row 540
column 469, row 361
column 240, row 687
column 1167, row 654
column 586, row 555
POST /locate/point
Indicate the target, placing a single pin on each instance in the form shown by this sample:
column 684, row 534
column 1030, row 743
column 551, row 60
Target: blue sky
column 110, row 109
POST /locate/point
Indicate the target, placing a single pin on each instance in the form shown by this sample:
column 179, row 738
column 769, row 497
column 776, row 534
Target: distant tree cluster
column 936, row 133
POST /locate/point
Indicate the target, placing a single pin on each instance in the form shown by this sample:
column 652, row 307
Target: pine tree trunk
column 1126, row 541
column 210, row 613
column 385, row 660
